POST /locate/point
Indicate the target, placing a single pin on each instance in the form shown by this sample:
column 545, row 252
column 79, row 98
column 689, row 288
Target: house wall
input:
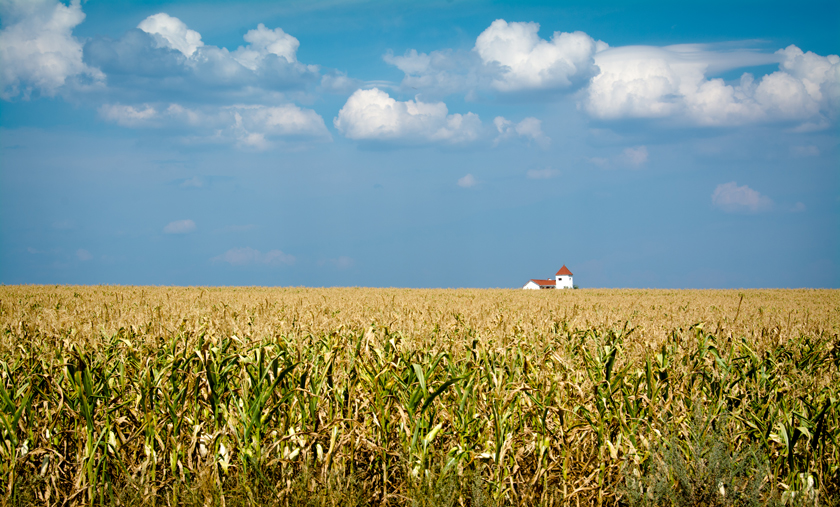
column 564, row 282
column 531, row 285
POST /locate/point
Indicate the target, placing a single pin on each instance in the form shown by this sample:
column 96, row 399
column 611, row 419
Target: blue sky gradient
column 443, row 144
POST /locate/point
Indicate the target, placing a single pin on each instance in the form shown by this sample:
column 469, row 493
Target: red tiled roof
column 544, row 282
column 564, row 271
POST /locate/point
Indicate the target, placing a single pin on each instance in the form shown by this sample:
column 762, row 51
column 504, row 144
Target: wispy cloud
column 248, row 256
column 237, row 228
column 246, row 126
column 342, row 262
column 805, row 151
column 179, row 227
column 635, row 157
column 599, row 161
column 194, row 182
column 467, row 181
column 731, row 198
column 530, row 128
column 64, row 225
column 542, row 174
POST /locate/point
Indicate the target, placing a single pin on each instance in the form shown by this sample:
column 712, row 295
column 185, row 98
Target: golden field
column 298, row 396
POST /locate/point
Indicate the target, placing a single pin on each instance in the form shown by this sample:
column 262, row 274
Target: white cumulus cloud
column 529, row 128
column 171, row 32
column 506, row 57
column 235, row 97
column 164, row 58
column 530, row 62
column 160, row 59
column 658, row 82
column 38, row 50
column 179, row 227
column 249, row 256
column 263, row 42
column 268, row 60
column 374, row 115
column 676, row 82
column 730, row 197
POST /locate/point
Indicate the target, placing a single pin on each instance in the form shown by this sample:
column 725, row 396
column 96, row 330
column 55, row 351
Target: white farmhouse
column 562, row 280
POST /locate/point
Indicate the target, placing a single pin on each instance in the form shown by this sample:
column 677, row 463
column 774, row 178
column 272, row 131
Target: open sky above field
column 433, row 144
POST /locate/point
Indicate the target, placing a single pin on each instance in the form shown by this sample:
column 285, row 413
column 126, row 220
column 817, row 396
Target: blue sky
column 442, row 144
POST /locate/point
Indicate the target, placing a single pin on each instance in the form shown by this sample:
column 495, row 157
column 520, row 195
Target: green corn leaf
column 418, row 370
column 438, row 392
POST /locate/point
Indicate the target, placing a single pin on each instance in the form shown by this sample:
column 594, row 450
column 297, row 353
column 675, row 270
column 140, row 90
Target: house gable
column 562, row 280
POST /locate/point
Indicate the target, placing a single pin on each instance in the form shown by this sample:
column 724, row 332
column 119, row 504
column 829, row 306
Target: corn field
column 292, row 396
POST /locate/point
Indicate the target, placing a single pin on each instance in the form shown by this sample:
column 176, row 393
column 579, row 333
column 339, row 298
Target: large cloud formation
column 633, row 81
column 508, row 58
column 172, row 33
column 38, row 53
column 652, row 82
column 372, row 115
column 163, row 56
column 161, row 74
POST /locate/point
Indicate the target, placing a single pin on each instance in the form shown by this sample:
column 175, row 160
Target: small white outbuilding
column 562, row 280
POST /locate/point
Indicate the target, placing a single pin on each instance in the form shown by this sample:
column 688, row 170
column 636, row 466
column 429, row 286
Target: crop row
column 361, row 396
column 566, row 419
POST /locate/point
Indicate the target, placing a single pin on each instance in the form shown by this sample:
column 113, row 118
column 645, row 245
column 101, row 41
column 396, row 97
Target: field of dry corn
column 295, row 396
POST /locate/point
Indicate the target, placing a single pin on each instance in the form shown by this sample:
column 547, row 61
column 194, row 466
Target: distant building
column 562, row 280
